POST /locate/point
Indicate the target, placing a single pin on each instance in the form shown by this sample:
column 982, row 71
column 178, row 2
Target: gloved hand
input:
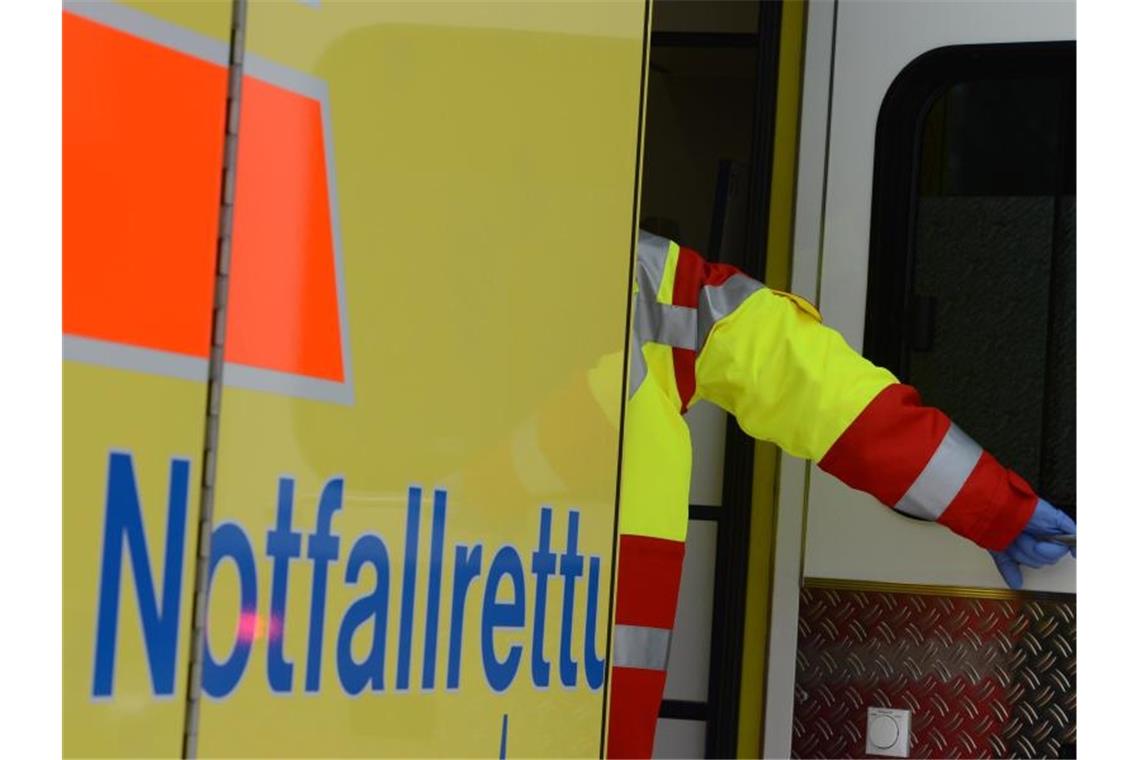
column 1032, row 546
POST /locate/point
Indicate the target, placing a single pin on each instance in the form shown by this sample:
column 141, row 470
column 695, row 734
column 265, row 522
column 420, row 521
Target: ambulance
column 334, row 276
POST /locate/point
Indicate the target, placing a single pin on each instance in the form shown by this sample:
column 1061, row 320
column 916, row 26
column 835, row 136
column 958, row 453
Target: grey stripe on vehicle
column 152, row 361
column 287, row 384
column 943, row 476
column 338, row 246
column 104, row 353
column 285, row 77
column 153, row 29
column 715, row 302
column 640, row 646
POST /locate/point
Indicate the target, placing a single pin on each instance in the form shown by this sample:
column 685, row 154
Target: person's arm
column 768, row 359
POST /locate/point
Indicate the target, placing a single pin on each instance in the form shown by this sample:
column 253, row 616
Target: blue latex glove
column 1032, row 546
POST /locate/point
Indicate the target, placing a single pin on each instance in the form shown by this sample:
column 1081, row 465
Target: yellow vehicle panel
column 111, row 418
column 417, row 428
column 143, row 100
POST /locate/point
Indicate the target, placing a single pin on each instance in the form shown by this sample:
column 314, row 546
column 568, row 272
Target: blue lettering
column 123, row 524
column 542, row 564
column 503, row 615
column 570, row 568
column 431, row 629
column 324, row 547
column 408, row 595
column 354, row 676
column 594, row 666
column 229, row 540
column 282, row 544
column 498, row 614
column 468, row 565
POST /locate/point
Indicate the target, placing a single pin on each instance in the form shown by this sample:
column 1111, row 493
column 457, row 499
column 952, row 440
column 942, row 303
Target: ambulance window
column 972, row 286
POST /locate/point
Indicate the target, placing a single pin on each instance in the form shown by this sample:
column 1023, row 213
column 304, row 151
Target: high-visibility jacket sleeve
column 792, row 380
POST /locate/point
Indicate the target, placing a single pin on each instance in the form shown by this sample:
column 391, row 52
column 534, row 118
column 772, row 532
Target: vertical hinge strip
column 214, row 382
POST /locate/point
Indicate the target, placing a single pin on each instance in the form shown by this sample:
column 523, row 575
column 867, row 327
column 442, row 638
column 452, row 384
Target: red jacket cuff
column 993, row 507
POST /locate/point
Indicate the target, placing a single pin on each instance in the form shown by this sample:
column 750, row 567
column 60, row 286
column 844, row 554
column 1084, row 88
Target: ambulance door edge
column 214, row 384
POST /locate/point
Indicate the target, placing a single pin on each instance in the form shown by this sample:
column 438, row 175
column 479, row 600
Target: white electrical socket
column 888, row 732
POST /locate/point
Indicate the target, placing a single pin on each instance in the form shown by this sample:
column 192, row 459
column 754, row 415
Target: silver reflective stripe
column 716, row 302
column 670, row 325
column 655, row 322
column 664, row 323
column 639, row 646
column 943, row 476
column 652, row 251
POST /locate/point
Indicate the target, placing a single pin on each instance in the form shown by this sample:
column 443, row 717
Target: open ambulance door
column 346, row 298
column 935, row 227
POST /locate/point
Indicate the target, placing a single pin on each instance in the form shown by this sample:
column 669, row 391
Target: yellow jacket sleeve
column 789, row 379
column 786, row 377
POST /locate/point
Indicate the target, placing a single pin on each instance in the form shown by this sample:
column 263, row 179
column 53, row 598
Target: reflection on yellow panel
column 144, row 92
column 132, row 446
column 415, row 514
